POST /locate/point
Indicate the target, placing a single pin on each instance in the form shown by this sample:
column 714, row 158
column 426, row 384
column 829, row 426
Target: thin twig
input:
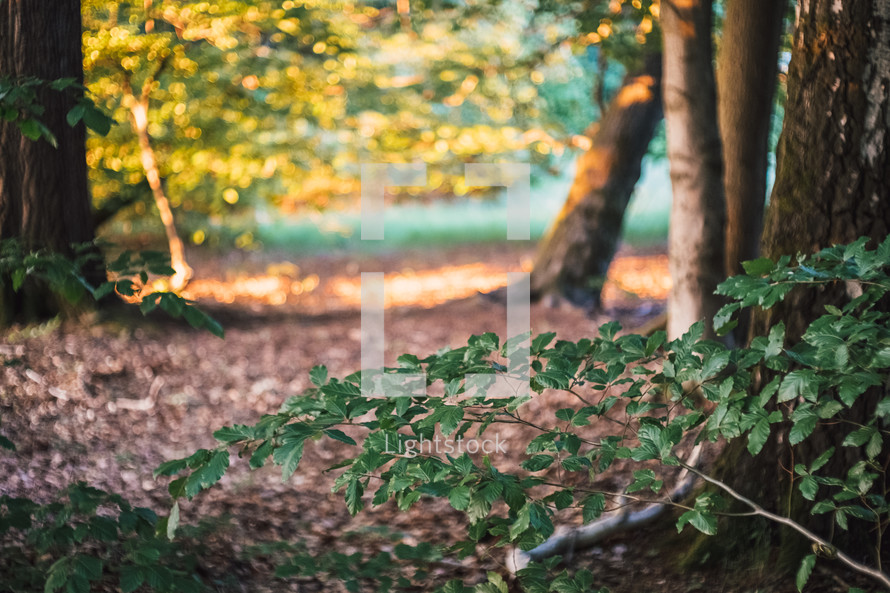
column 858, row 567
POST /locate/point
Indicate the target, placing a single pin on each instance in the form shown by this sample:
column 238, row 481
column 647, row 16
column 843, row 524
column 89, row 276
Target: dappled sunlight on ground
column 631, row 278
column 637, row 276
column 268, row 289
column 426, row 288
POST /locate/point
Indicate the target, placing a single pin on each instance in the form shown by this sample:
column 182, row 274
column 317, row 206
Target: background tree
column 574, row 256
column 698, row 215
column 746, row 87
column 43, row 188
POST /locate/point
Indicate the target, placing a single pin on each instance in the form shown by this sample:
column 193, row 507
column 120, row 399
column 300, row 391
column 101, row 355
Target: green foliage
column 88, row 539
column 20, row 104
column 640, row 384
column 252, row 103
column 129, row 274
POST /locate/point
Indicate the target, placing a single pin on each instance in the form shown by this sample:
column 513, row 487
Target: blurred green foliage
column 278, row 103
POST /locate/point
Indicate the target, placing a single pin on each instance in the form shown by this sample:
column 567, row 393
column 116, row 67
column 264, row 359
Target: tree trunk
column 43, row 190
column 139, row 112
column 746, row 85
column 696, row 237
column 182, row 271
column 832, row 186
column 574, row 257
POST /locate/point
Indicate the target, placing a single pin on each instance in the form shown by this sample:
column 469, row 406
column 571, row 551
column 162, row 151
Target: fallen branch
column 567, row 540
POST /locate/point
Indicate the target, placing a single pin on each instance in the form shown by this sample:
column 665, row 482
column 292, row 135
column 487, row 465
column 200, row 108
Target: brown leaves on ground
column 109, row 401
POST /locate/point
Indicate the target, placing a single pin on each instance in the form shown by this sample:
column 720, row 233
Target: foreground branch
column 824, row 544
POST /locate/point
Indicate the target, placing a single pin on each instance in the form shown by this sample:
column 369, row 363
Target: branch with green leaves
column 20, row 104
column 639, row 401
column 128, row 274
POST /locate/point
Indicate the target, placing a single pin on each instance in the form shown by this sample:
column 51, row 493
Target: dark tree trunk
column 746, row 85
column 43, row 190
column 574, row 257
column 832, row 186
column 698, row 211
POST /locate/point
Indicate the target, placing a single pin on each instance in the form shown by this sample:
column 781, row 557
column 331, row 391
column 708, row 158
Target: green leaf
column 523, row 519
column 339, row 435
column 30, row 129
column 805, row 420
column 537, row 463
column 758, row 436
column 822, row 459
column 654, row 342
column 775, row 341
column 96, row 120
column 540, row 342
column 61, row 84
column 704, row 522
column 859, row 437
column 171, row 303
column 207, row 474
column 714, row 364
column 808, row 487
column 459, row 497
column 318, row 375
column 875, row 444
column 642, row 479
column 57, row 575
column 449, row 418
column 799, row 383
column 173, row 521
column 75, row 115
column 455, row 586
column 18, row 278
column 131, row 578
column 234, row 434
column 562, row 499
column 103, row 529
column 805, row 570
column 258, row 459
column 88, row 567
column 5, row 443
column 288, row 456
column 758, row 267
column 103, row 290
column 169, row 468
column 593, row 506
column 354, row 491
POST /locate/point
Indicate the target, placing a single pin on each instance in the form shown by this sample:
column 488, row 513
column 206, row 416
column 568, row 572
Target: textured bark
column 746, row 85
column 574, row 257
column 833, row 179
column 696, row 237
column 43, row 190
column 832, row 186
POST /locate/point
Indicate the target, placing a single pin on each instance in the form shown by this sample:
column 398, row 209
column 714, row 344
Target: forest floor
column 107, row 399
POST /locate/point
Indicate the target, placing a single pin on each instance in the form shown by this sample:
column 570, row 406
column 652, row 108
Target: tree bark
column 746, row 84
column 832, row 186
column 696, row 236
column 574, row 256
column 43, row 190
